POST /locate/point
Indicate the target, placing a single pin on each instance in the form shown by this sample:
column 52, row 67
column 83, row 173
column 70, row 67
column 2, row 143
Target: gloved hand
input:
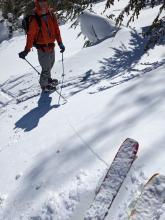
column 23, row 54
column 62, row 47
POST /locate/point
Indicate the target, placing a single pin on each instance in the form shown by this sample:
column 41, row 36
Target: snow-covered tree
column 96, row 27
column 156, row 31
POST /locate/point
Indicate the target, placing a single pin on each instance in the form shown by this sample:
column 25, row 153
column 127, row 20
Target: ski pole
column 32, row 66
column 61, row 95
column 63, row 74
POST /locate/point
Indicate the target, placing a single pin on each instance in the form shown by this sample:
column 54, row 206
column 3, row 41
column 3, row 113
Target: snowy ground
column 53, row 158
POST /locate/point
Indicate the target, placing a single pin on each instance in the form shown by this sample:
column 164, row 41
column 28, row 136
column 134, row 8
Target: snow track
column 19, row 89
column 5, row 98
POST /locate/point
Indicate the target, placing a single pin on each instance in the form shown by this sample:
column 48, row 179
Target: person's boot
column 53, row 81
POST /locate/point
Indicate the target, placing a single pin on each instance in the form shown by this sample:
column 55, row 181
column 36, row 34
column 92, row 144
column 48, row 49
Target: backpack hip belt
column 42, row 46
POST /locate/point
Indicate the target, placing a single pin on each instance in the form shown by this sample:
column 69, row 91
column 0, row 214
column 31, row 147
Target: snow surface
column 53, row 158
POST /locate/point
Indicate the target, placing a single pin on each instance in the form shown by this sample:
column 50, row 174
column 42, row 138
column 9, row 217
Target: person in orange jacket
column 43, row 39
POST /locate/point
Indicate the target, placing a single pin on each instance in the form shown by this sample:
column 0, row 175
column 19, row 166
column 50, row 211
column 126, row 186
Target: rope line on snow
column 71, row 125
column 85, row 143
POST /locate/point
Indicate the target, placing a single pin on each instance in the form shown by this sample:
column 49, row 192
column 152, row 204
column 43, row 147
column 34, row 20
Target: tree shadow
column 53, row 170
column 115, row 70
column 122, row 67
column 32, row 118
column 54, row 165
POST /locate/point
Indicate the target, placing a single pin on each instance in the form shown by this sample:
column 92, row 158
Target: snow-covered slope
column 14, row 66
column 52, row 158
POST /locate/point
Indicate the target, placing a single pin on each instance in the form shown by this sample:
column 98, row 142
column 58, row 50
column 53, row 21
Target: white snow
column 150, row 202
column 96, row 27
column 53, row 158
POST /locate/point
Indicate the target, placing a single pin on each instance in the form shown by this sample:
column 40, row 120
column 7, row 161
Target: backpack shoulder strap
column 38, row 19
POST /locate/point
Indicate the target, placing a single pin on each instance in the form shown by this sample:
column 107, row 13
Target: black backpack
column 26, row 22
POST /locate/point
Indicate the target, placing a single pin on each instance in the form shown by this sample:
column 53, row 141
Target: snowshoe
column 49, row 88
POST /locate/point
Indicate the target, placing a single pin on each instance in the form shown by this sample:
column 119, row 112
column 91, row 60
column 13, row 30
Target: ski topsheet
column 149, row 203
column 113, row 180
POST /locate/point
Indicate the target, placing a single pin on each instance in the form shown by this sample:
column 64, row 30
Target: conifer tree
column 156, row 31
column 70, row 9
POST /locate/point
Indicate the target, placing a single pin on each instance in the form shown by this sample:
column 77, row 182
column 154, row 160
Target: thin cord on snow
column 73, row 128
column 85, row 143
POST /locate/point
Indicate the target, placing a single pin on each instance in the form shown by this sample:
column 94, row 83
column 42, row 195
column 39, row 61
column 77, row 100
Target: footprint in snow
column 18, row 176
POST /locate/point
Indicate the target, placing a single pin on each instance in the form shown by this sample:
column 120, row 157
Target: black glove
column 62, row 47
column 23, row 54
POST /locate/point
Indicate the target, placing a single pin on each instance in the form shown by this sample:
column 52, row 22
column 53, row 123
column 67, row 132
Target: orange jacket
column 47, row 34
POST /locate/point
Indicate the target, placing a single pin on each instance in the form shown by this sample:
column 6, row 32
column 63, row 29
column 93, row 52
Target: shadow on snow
column 32, row 118
column 121, row 66
column 53, row 165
